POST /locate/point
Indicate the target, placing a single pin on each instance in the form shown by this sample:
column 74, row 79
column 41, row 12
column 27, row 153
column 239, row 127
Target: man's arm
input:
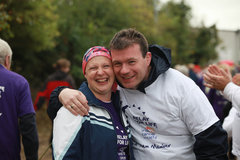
column 28, row 130
column 54, row 104
column 211, row 144
column 71, row 99
column 232, row 93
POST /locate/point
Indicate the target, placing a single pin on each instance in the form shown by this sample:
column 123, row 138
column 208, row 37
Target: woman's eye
column 93, row 68
column 106, row 66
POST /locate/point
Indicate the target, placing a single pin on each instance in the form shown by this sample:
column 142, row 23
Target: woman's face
column 100, row 76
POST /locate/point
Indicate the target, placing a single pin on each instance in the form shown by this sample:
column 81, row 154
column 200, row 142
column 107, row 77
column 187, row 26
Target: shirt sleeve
column 232, row 93
column 202, row 122
column 197, row 112
column 228, row 121
column 66, row 127
column 28, row 129
column 54, row 104
column 24, row 99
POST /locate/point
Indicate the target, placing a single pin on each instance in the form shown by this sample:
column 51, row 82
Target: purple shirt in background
column 122, row 140
column 15, row 101
column 218, row 102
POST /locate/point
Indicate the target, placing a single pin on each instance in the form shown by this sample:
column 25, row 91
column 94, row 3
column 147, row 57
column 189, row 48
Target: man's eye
column 117, row 64
column 132, row 62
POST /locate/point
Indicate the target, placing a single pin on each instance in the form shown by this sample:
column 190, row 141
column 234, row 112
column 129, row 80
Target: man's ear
column 7, row 62
column 148, row 57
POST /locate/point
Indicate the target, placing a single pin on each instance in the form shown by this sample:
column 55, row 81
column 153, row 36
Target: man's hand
column 216, row 77
column 75, row 101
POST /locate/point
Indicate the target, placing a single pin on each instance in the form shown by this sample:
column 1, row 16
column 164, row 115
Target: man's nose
column 124, row 69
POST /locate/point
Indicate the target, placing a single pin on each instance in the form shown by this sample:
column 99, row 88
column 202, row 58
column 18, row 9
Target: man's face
column 130, row 67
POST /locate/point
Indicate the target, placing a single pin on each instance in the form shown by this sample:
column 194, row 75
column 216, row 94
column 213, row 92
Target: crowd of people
column 133, row 105
column 213, row 80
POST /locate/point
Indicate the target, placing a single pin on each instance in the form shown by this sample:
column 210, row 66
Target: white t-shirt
column 165, row 119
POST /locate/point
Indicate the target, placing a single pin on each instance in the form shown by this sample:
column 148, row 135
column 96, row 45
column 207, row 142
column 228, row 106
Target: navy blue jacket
column 91, row 137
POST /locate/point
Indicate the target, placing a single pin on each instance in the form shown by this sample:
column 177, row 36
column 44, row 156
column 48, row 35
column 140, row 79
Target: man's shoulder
column 174, row 75
column 13, row 77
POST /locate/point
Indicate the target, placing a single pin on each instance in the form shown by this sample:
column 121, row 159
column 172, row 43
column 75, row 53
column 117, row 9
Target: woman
column 99, row 135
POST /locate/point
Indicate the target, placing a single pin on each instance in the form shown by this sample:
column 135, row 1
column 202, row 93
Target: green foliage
column 84, row 24
column 41, row 31
column 33, row 27
column 177, row 30
column 4, row 20
column 206, row 42
column 188, row 45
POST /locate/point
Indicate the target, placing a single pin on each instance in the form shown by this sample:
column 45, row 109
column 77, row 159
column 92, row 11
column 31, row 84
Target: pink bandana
column 93, row 52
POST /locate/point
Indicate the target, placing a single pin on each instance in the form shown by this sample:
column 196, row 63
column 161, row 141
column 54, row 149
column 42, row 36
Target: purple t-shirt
column 122, row 140
column 15, row 101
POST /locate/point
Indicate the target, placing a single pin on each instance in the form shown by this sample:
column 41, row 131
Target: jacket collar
column 93, row 100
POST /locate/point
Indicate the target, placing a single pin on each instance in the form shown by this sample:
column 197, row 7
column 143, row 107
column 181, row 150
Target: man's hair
column 4, row 51
column 128, row 37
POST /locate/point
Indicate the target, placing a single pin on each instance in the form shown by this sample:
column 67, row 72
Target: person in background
column 183, row 69
column 169, row 116
column 193, row 72
column 60, row 77
column 222, row 80
column 17, row 115
column 101, row 134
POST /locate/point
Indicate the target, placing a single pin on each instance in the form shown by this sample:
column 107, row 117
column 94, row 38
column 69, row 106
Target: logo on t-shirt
column 2, row 88
column 141, row 118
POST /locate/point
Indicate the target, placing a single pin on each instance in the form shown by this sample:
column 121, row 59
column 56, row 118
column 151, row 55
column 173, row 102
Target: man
column 17, row 114
column 222, row 80
column 169, row 116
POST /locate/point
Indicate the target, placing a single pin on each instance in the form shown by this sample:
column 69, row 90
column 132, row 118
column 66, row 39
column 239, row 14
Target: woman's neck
column 103, row 97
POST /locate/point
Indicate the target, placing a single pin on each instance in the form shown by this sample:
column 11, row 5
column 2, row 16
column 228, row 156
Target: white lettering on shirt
column 2, row 88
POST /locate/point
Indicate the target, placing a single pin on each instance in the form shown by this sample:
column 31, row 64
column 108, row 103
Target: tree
column 4, row 21
column 84, row 24
column 32, row 29
column 206, row 43
column 177, row 29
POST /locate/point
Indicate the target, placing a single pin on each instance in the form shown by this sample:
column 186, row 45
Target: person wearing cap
column 100, row 134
